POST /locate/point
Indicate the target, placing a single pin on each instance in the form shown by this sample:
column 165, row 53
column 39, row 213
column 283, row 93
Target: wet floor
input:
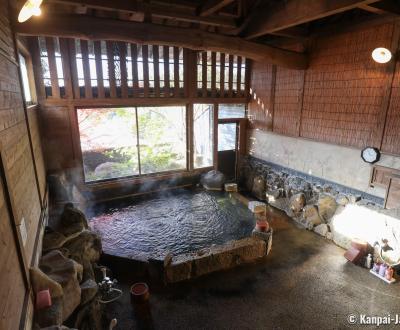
column 305, row 283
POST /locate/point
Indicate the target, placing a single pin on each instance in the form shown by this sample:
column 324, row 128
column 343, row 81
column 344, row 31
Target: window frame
column 140, row 175
column 190, row 169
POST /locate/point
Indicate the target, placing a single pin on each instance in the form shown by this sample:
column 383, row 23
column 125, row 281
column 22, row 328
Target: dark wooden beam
column 290, row 13
column 295, row 32
column 91, row 28
column 212, row 6
column 383, row 7
column 167, row 11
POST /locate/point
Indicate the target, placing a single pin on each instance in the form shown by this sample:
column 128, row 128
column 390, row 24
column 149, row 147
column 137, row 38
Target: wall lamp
column 381, row 55
column 30, row 8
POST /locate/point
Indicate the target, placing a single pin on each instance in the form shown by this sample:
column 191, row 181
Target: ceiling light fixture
column 381, row 55
column 30, row 8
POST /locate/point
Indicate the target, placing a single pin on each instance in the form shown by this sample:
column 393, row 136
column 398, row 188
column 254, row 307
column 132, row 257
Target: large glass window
column 121, row 142
column 203, row 135
column 108, row 142
column 231, row 111
column 162, row 138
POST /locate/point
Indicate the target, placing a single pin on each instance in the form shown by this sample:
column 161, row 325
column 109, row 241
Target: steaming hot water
column 179, row 222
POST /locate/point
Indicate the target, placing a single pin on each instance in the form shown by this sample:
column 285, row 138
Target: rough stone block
column 257, row 207
column 179, row 270
column 326, row 207
column 322, row 229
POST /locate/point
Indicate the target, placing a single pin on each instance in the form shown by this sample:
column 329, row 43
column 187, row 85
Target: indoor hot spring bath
column 185, row 225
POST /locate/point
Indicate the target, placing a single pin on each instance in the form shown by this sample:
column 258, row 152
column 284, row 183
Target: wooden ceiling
column 273, row 28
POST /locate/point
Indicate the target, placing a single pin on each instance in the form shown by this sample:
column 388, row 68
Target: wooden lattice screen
column 73, row 68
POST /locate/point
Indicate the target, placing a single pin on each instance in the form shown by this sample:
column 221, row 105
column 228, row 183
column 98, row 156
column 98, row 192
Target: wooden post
column 156, row 71
column 135, row 82
column 167, row 91
column 230, row 81
column 176, row 71
column 122, row 66
column 64, row 49
column 238, row 75
column 222, row 75
column 145, row 55
column 55, row 88
column 204, row 73
column 99, row 69
column 111, row 68
column 74, row 70
column 86, row 69
column 213, row 74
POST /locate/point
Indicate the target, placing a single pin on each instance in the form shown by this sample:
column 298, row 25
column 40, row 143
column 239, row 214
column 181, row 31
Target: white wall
column 339, row 164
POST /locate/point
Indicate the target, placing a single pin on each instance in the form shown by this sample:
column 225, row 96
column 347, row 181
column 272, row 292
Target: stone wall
column 338, row 164
column 336, row 212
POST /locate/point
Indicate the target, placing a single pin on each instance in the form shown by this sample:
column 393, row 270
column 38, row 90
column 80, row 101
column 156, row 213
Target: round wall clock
column 370, row 155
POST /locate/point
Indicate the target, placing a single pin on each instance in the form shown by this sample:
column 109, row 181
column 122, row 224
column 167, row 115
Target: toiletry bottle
column 368, row 261
column 382, row 270
column 389, row 273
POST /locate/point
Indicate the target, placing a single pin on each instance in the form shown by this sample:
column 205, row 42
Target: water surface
column 179, row 222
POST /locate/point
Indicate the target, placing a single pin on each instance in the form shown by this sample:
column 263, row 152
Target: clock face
column 370, row 155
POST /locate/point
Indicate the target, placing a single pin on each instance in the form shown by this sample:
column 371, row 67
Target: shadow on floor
column 305, row 283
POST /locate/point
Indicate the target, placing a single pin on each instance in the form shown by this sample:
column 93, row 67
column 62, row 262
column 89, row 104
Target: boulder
column 342, row 200
column 258, row 189
column 72, row 220
column 354, row 199
column 52, row 240
column 89, row 316
column 297, row 202
column 51, row 316
column 108, row 170
column 311, row 216
column 326, row 207
column 322, row 229
column 68, row 274
column 85, row 248
column 294, row 185
column 213, row 180
column 89, row 290
column 40, row 281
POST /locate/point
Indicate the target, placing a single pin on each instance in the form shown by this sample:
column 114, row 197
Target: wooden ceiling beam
column 92, row 28
column 212, row 6
column 290, row 13
column 168, row 10
column 383, row 7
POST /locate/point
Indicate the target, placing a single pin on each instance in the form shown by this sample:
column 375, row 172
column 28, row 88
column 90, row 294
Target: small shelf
column 382, row 278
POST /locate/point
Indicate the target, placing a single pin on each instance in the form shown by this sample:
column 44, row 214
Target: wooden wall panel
column 288, row 101
column 57, row 137
column 16, row 148
column 6, row 38
column 391, row 137
column 33, row 120
column 12, row 292
column 343, row 98
column 345, row 88
column 19, row 197
column 261, row 106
